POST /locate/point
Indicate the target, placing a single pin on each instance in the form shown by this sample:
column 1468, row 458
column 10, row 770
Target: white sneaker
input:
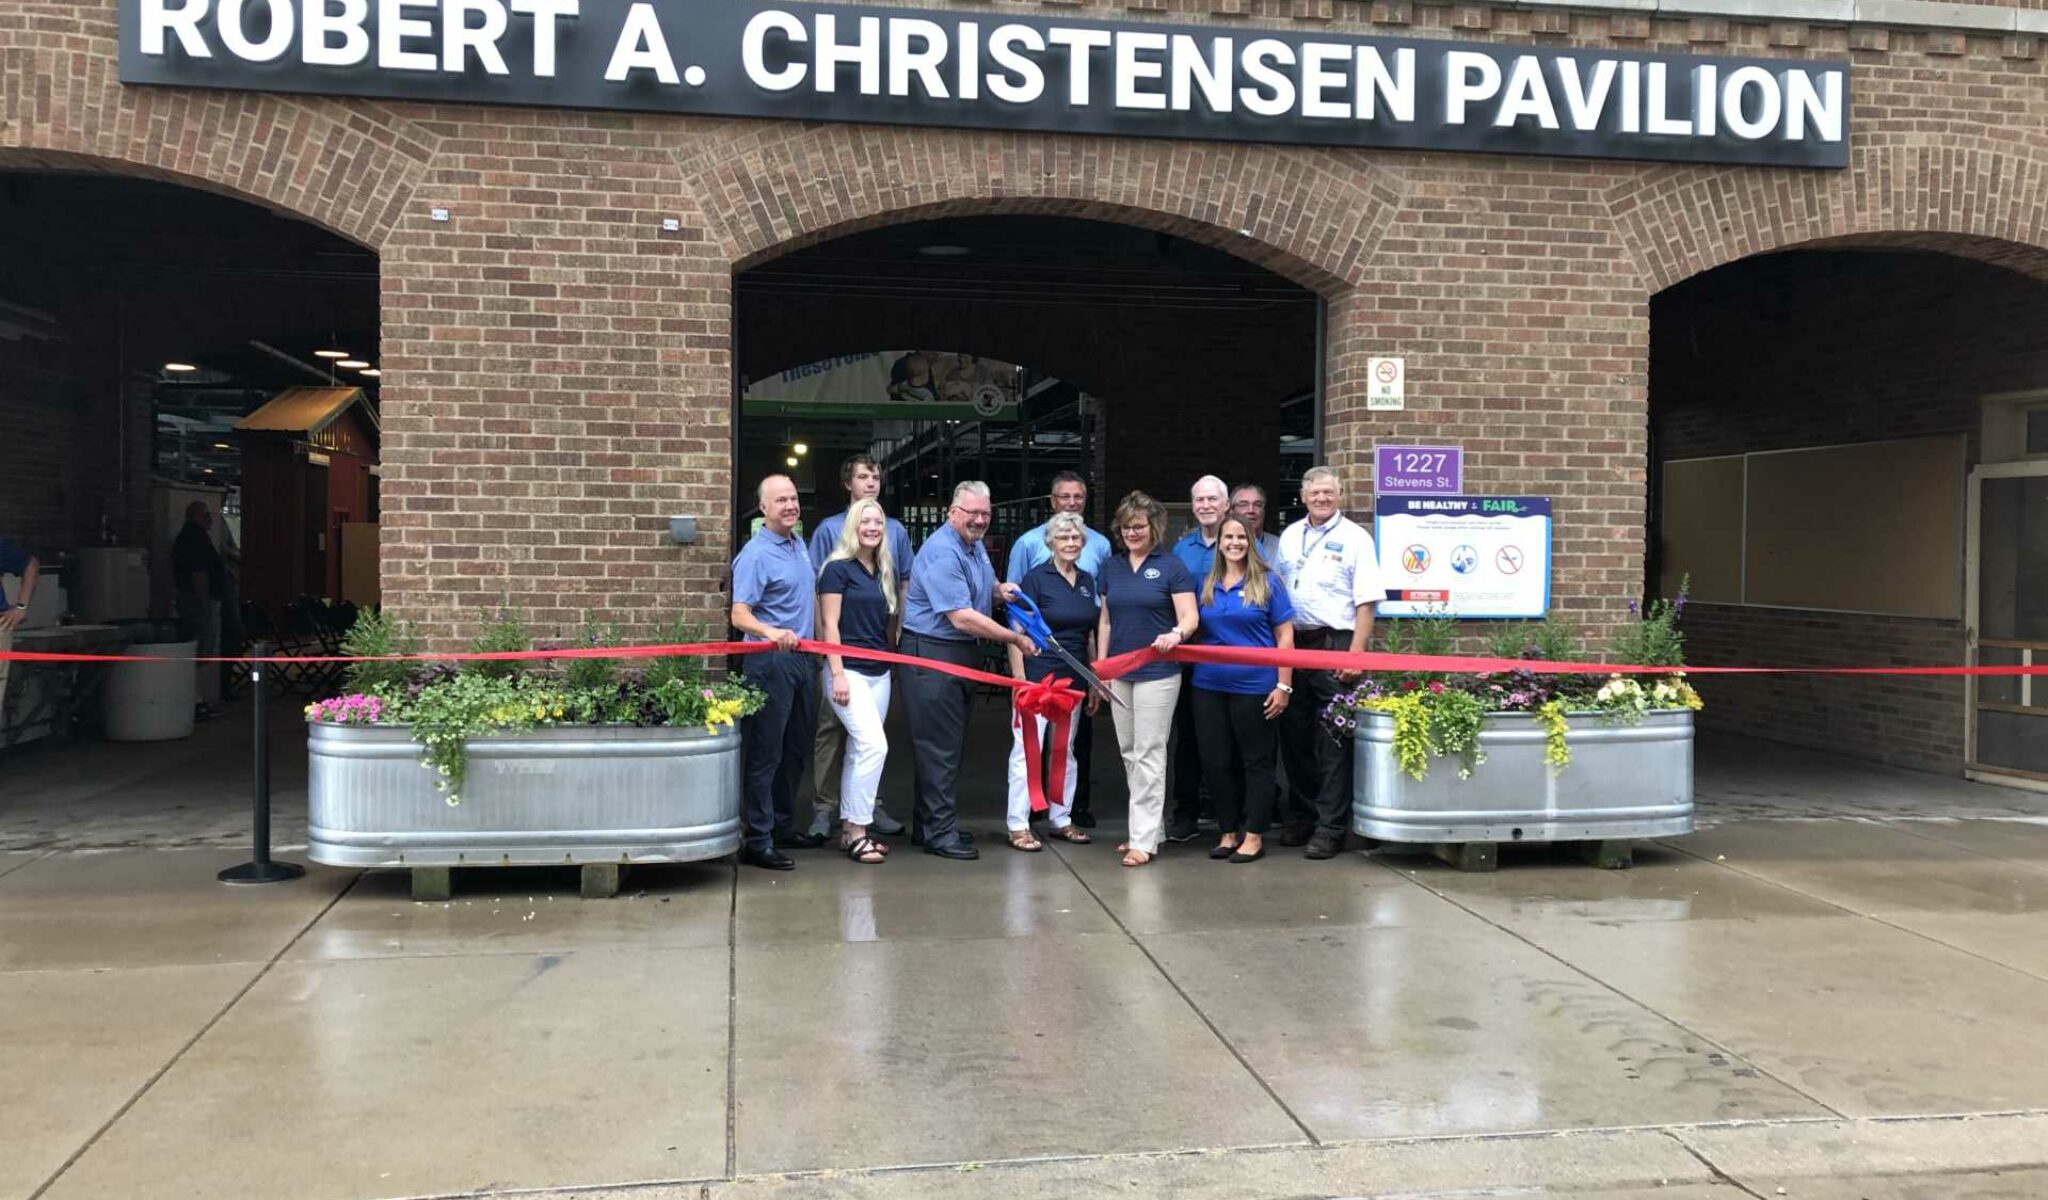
column 821, row 823
column 885, row 824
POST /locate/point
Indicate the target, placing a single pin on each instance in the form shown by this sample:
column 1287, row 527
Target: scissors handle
column 1029, row 621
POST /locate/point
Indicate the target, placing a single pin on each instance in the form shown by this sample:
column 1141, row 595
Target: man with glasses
column 1209, row 500
column 952, row 590
column 1248, row 503
column 1069, row 495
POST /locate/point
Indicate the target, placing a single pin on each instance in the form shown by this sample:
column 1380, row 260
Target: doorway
column 2008, row 538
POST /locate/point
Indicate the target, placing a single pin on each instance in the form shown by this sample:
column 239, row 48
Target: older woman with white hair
column 1065, row 595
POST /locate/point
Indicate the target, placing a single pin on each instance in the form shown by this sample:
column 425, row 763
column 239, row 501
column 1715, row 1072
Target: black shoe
column 770, row 859
column 799, row 841
column 1180, row 833
column 1293, row 835
column 1254, row 856
column 1219, row 853
column 1084, row 818
column 1324, row 845
column 957, row 850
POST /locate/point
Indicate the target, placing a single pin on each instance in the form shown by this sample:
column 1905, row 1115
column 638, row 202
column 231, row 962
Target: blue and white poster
column 1479, row 557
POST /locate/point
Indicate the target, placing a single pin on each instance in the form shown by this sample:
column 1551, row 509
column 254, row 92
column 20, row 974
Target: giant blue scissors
column 1027, row 620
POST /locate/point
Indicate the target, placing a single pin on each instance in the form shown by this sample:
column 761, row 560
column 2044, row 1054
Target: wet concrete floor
column 1839, row 989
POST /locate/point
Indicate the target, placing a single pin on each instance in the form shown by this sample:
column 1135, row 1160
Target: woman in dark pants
column 1235, row 707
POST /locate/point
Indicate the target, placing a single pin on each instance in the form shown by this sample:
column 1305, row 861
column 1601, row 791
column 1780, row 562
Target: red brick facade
column 558, row 368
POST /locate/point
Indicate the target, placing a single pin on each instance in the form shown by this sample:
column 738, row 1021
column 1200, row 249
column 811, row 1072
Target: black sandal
column 866, row 850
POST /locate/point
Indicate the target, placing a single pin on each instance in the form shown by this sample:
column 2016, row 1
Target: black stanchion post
column 261, row 868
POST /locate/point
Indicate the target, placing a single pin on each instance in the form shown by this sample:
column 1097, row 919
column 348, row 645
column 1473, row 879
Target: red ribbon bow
column 1054, row 699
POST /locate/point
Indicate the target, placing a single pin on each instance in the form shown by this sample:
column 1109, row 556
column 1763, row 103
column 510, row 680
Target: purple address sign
column 1418, row 470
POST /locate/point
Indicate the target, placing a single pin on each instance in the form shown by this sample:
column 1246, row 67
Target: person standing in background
column 1210, row 501
column 14, row 561
column 1249, row 502
column 199, row 580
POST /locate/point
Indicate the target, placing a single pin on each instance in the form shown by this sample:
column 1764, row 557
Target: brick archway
column 347, row 166
column 1983, row 204
column 770, row 190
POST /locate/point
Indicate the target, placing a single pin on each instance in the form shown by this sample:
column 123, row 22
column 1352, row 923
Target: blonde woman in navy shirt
column 857, row 607
column 1236, row 708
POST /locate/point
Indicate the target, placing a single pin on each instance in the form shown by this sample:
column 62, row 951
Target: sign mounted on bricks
column 833, row 62
column 1468, row 556
column 1386, row 384
column 1418, row 470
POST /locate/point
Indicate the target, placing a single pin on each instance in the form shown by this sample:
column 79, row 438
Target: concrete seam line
column 32, row 858
column 179, row 1054
column 1606, row 986
column 1716, row 1172
column 1863, row 916
column 1188, row 1000
column 732, row 1029
column 1891, row 823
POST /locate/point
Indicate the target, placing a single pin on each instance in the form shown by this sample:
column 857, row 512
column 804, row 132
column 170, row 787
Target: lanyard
column 1309, row 548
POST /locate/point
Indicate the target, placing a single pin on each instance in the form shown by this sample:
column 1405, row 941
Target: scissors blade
column 1087, row 677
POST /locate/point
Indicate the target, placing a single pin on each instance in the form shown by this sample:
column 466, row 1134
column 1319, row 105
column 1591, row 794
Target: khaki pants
column 1144, row 726
column 828, row 755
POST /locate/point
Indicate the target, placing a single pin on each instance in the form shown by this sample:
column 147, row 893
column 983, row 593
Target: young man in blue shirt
column 773, row 600
column 1069, row 495
column 861, row 476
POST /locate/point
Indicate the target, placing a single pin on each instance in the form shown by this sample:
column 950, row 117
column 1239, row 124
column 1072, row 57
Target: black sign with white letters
column 904, row 66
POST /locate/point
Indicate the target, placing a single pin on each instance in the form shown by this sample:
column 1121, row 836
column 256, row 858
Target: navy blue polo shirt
column 13, row 561
column 863, row 611
column 1140, row 606
column 1069, row 611
column 1229, row 621
column 773, row 577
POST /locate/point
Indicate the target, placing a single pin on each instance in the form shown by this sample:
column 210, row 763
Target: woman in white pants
column 1148, row 599
column 1065, row 596
column 857, row 608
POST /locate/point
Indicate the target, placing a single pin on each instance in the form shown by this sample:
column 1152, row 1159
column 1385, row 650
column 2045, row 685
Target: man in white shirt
column 1332, row 574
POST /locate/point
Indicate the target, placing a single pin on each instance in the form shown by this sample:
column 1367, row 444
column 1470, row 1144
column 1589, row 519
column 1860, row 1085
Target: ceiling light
column 179, row 368
column 791, row 460
column 330, row 354
column 353, row 364
column 944, row 250
column 372, row 373
column 222, row 446
column 800, row 448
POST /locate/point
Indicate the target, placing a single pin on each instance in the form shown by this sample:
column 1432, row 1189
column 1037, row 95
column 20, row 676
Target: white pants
column 1020, row 788
column 1142, row 731
column 867, row 747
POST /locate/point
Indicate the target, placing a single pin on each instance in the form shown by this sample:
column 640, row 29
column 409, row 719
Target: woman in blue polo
column 1148, row 599
column 1065, row 597
column 1235, row 707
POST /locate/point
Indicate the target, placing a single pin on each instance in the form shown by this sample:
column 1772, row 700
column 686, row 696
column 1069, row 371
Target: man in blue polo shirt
column 952, row 588
column 1028, row 553
column 772, row 601
column 861, row 476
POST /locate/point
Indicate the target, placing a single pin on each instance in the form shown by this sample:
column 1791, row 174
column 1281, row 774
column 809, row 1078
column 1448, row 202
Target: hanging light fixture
column 791, row 460
column 179, row 368
column 352, row 364
column 800, row 448
column 372, row 373
column 330, row 354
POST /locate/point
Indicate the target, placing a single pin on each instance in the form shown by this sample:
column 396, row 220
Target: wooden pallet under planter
column 598, row 797
column 1625, row 782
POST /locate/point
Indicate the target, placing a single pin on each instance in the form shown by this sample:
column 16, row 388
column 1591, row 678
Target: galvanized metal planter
column 1624, row 782
column 598, row 796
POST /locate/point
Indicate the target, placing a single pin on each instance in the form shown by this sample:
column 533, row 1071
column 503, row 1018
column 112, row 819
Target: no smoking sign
column 1386, row 384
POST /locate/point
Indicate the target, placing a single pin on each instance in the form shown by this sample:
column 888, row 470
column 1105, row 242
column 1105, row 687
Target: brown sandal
column 1021, row 839
column 1067, row 833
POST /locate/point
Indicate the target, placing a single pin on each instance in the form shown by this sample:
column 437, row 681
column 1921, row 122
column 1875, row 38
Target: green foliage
column 1557, row 753
column 1553, row 639
column 375, row 635
column 447, row 714
column 1434, row 724
column 592, row 674
column 684, row 670
column 712, row 705
column 1653, row 639
column 503, row 633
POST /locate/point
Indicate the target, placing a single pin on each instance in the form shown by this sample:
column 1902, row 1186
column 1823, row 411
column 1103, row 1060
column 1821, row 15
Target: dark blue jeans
column 777, row 743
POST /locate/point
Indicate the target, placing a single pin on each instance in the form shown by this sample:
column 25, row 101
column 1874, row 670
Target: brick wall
column 558, row 368
column 1816, row 349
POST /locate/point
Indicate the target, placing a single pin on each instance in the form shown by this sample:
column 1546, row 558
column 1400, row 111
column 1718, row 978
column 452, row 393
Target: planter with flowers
column 1463, row 763
column 575, row 762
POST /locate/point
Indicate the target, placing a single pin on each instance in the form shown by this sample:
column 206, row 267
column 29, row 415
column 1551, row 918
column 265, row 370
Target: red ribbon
column 1054, row 699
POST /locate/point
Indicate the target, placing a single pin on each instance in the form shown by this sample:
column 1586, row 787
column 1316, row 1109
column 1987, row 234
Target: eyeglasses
column 1138, row 528
column 982, row 514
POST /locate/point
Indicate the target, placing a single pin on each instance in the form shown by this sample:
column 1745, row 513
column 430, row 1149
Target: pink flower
column 1436, row 686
